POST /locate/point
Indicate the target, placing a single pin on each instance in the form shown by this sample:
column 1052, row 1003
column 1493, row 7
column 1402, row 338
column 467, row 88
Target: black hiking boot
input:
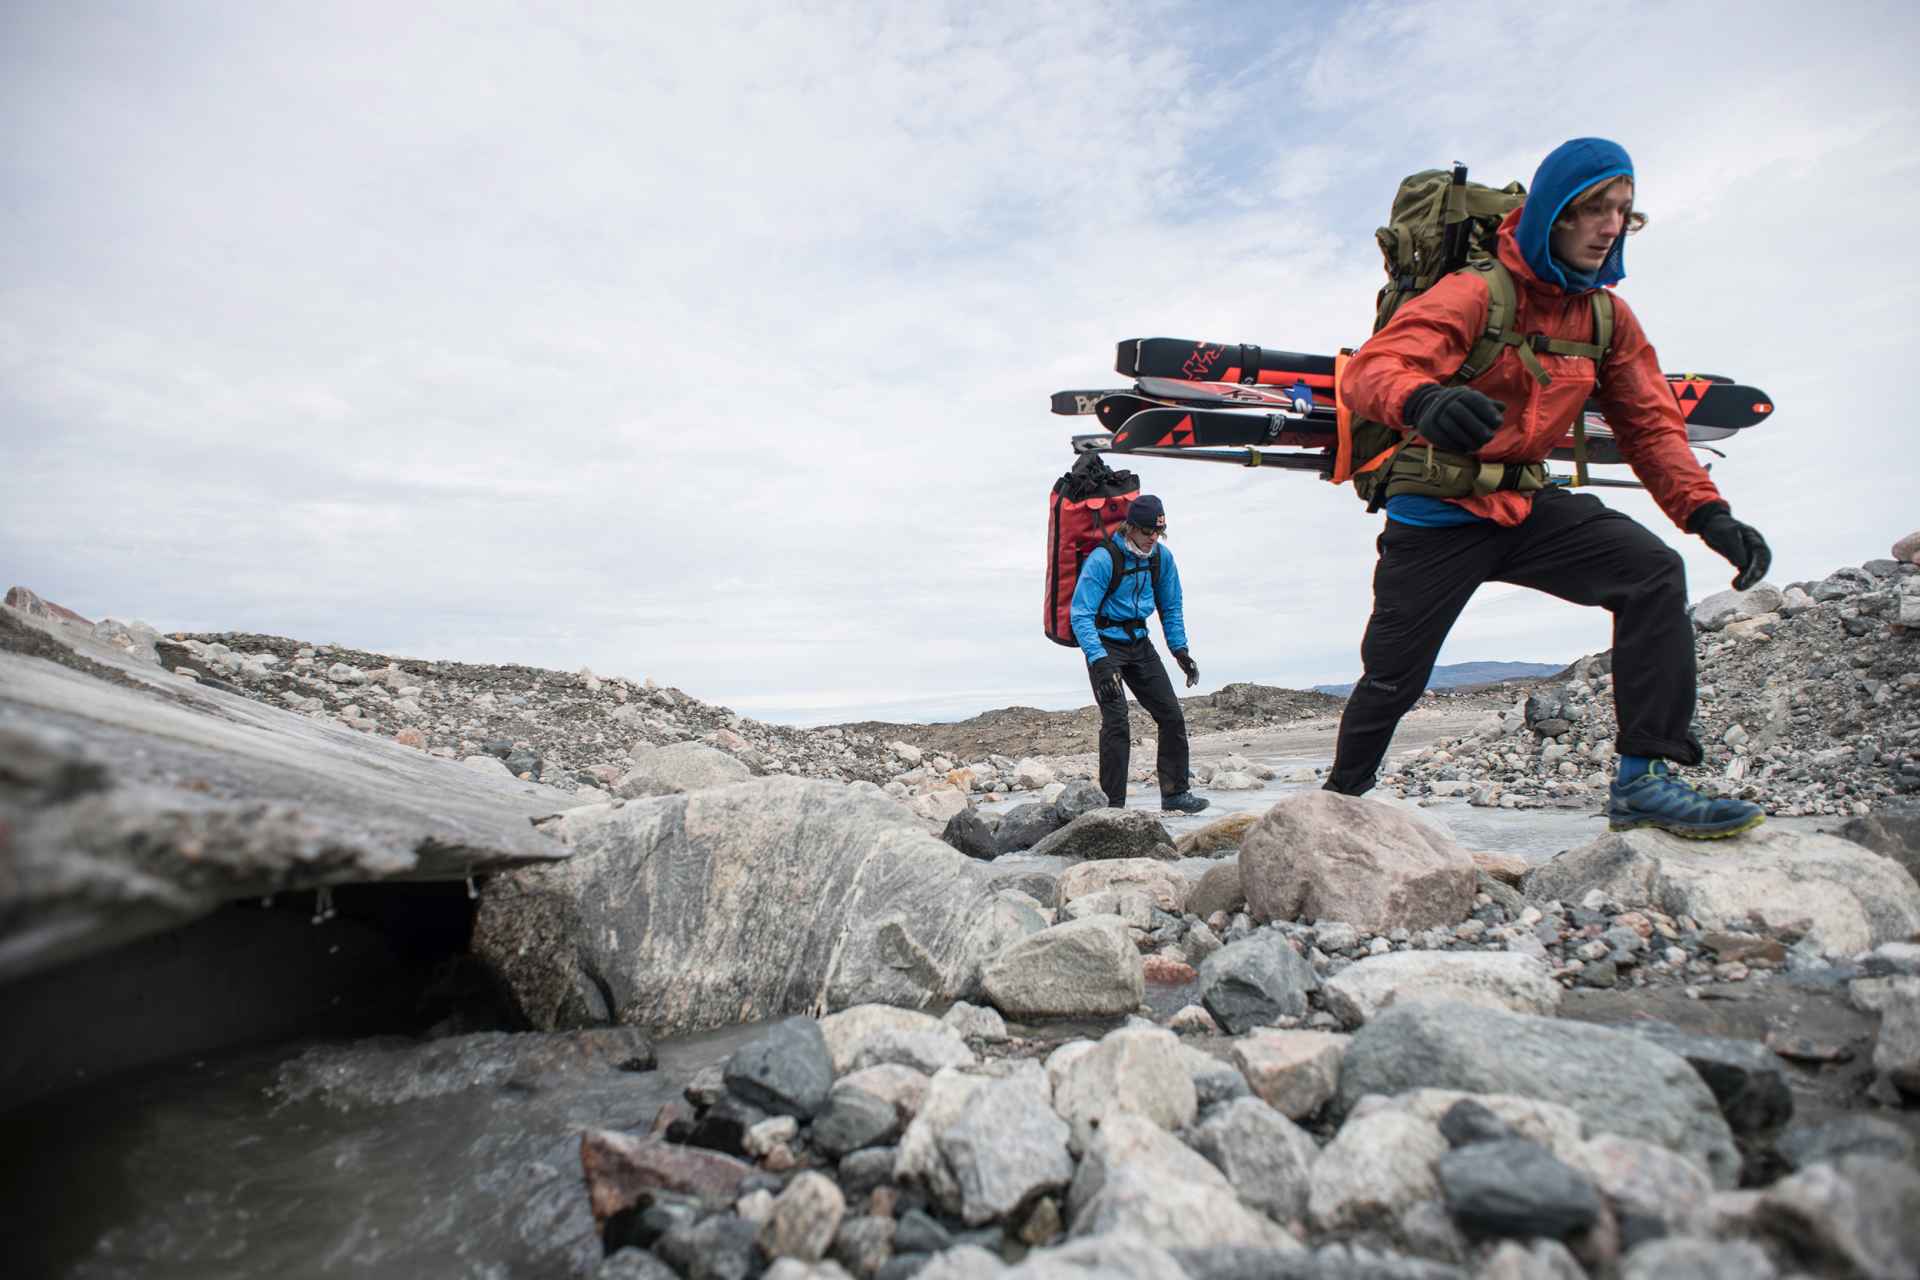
column 1183, row 802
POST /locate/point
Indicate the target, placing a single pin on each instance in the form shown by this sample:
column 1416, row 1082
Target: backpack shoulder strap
column 1495, row 335
column 1499, row 332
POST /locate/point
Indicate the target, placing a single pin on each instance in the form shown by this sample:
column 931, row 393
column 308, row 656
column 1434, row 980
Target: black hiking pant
column 1572, row 546
column 1143, row 672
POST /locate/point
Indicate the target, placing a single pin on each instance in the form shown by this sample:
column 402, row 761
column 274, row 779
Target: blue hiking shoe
column 1658, row 799
column 1183, row 802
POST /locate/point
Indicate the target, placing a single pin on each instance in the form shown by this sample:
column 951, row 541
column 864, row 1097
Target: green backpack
column 1441, row 223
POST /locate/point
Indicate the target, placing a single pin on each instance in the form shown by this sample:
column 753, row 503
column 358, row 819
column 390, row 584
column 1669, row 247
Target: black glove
column 1459, row 419
column 1740, row 543
column 1188, row 665
column 1106, row 679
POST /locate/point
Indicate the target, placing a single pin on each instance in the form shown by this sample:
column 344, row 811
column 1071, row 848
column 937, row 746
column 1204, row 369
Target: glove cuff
column 1704, row 514
column 1411, row 407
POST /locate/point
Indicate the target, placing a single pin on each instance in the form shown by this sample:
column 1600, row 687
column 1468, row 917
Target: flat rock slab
column 1848, row 898
column 132, row 800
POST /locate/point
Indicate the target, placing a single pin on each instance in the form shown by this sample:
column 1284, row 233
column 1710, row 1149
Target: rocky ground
column 1323, row 1041
column 1809, row 704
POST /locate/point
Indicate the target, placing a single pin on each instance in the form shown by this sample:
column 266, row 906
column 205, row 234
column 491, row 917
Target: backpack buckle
column 1540, row 342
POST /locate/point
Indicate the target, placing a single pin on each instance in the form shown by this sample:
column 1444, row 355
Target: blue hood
column 1569, row 169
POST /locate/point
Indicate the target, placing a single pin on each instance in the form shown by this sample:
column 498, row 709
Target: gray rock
column 1009, row 1148
column 1026, row 825
column 862, row 1245
column 1644, row 1182
column 1855, row 1134
column 1469, row 1121
column 1330, row 1262
column 1079, row 797
column 1378, row 1166
column 679, row 767
column 677, row 913
column 1615, row 1080
column 967, row 832
column 787, row 1071
column 633, row 1264
column 1218, row 890
column 1109, row 833
column 1687, row 1258
column 1266, row 1157
column 1082, row 967
column 852, row 1119
column 1139, row 1180
column 1749, row 1083
column 136, row 801
column 1850, row 899
column 1490, row 979
column 1515, row 1188
column 722, row 1247
column 1896, row 1047
column 1135, row 1071
column 1254, row 981
column 1855, row 1216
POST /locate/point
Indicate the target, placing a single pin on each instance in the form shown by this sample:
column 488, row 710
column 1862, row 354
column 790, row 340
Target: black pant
column 1572, row 546
column 1141, row 668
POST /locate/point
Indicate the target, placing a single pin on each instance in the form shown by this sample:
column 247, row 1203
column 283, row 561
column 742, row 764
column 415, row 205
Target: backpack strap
column 1499, row 334
column 1136, row 628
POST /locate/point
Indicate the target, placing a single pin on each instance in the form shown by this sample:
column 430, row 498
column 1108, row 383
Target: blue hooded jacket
column 1137, row 597
column 1569, row 169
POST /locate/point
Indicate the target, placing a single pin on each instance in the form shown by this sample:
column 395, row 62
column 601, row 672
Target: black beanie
column 1147, row 512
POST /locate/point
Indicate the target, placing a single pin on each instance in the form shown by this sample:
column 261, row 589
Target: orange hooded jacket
column 1429, row 338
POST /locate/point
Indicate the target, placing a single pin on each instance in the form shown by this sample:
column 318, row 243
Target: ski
column 1151, row 426
column 1318, row 463
column 1709, row 399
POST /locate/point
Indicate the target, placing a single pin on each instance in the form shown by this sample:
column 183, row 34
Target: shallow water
column 213, row 1168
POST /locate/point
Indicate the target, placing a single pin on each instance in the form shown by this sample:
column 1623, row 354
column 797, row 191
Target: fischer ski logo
column 1688, row 393
column 1198, row 365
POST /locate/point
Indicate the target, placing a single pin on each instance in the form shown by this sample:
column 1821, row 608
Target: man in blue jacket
column 1114, row 597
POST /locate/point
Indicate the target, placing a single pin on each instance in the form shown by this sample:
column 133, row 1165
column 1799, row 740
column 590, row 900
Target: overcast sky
column 712, row 343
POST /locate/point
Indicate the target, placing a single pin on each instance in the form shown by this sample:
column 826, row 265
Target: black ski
column 1708, row 399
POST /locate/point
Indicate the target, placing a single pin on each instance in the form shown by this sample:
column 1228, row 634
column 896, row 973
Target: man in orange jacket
column 1567, row 241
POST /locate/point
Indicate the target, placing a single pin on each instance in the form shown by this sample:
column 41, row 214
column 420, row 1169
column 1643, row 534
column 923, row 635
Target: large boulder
column 678, row 767
column 1109, row 833
column 1325, row 856
column 1617, row 1082
column 1847, row 898
column 677, row 913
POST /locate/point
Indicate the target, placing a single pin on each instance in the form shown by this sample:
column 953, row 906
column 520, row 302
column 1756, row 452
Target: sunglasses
column 1147, row 530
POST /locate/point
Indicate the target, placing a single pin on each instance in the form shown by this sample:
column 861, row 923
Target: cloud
column 715, row 344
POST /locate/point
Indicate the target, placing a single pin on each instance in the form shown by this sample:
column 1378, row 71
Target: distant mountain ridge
column 1453, row 675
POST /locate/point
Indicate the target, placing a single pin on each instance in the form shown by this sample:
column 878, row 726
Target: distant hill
column 1456, row 674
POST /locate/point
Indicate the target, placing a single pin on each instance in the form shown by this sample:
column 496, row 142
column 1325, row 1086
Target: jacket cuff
column 1705, row 512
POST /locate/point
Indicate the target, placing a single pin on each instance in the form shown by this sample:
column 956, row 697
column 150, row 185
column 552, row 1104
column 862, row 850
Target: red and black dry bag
column 1088, row 504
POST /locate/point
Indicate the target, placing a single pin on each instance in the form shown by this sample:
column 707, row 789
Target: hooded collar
column 1569, row 169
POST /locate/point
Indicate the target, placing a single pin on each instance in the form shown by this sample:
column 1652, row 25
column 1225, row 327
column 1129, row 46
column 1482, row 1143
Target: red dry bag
column 1087, row 505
